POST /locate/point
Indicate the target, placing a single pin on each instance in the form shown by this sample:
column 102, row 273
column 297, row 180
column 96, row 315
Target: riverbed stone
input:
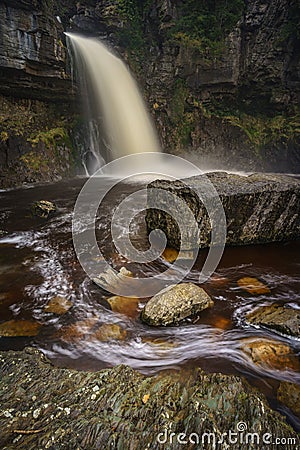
column 77, row 331
column 58, row 305
column 43, row 209
column 259, row 208
column 19, row 328
column 289, row 395
column 170, row 254
column 115, row 415
column 124, row 305
column 271, row 353
column 278, row 318
column 253, row 286
column 175, row 303
column 108, row 332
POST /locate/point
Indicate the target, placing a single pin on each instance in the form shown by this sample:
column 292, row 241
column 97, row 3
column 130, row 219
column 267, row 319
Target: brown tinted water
column 38, row 263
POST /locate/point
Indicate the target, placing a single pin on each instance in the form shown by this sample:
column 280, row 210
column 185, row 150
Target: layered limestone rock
column 36, row 95
column 32, row 53
column 259, row 208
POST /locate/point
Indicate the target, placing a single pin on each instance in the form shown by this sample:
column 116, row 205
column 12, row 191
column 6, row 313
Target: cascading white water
column 114, row 98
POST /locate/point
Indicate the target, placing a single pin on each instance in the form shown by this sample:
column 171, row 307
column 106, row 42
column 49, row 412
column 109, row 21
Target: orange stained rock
column 77, row 331
column 124, row 305
column 19, row 328
column 108, row 332
column 271, row 353
column 58, row 305
column 222, row 322
column 170, row 254
column 253, row 286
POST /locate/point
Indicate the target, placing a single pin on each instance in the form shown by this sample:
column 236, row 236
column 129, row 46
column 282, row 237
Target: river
column 38, row 263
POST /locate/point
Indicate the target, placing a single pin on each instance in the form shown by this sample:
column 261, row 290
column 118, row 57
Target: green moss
column 131, row 35
column 204, row 46
column 34, row 162
column 4, row 136
column 182, row 119
column 262, row 130
column 204, row 24
column 51, row 138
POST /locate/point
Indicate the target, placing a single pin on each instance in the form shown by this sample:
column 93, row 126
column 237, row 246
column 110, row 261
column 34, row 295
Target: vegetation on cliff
column 205, row 24
column 200, row 24
column 38, row 135
column 260, row 129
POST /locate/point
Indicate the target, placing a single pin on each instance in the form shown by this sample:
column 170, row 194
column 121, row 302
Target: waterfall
column 113, row 104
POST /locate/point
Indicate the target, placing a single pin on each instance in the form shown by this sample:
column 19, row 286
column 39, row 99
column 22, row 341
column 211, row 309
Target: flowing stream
column 38, row 263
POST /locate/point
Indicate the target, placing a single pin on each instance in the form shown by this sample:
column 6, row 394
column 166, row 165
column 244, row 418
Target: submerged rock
column 124, row 305
column 43, row 209
column 120, row 408
column 20, row 328
column 176, row 303
column 289, row 395
column 108, row 332
column 253, row 286
column 58, row 305
column 271, row 353
column 170, row 254
column 112, row 279
column 78, row 330
column 222, row 322
column 277, row 318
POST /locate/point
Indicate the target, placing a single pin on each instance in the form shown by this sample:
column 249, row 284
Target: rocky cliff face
column 35, row 143
column 226, row 102
column 232, row 108
column 32, row 54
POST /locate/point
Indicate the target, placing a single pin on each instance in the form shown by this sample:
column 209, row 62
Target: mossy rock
column 43, row 209
column 120, row 409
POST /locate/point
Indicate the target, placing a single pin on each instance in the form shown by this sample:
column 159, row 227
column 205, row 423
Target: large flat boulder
column 259, row 208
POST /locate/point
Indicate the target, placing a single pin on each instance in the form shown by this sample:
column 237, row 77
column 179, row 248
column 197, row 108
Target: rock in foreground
column 277, row 318
column 259, row 208
column 289, row 394
column 270, row 353
column 122, row 409
column 176, row 303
